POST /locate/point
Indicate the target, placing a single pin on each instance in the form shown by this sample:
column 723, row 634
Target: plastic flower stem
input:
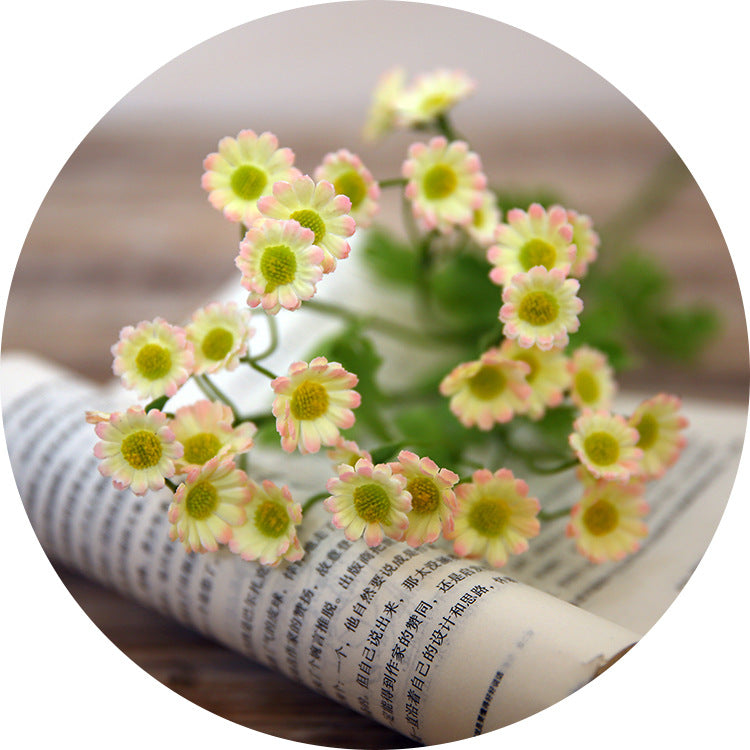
column 273, row 329
column 157, row 403
column 388, row 327
column 218, row 393
column 262, row 370
column 393, row 182
column 209, row 394
column 172, row 486
column 424, row 300
column 552, row 515
column 564, row 466
column 409, row 223
column 314, row 499
column 444, row 127
column 658, row 191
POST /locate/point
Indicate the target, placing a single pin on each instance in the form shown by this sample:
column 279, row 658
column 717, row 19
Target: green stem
column 273, row 329
column 262, row 370
column 257, row 419
column 658, row 191
column 552, row 515
column 393, row 182
column 313, row 500
column 410, row 225
column 205, row 390
column 382, row 325
column 444, row 127
column 218, row 393
column 563, row 466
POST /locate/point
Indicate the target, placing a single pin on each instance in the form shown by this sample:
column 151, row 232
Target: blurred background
column 126, row 233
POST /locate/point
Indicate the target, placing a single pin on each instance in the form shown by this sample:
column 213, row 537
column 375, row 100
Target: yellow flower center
column 141, row 449
column 248, row 181
column 352, row 185
column 489, row 516
column 311, row 220
column 271, row 518
column 439, row 182
column 602, row 448
column 648, row 431
column 278, row 264
column 537, row 252
column 600, row 518
column 435, row 103
column 533, row 364
column 201, row 501
column 200, row 448
column 488, row 383
column 425, row 495
column 217, row 343
column 153, row 361
column 539, row 308
column 477, row 218
column 587, row 386
column 372, row 503
column 309, row 400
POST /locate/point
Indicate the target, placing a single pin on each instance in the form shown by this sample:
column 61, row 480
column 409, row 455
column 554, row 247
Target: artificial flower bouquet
column 528, row 331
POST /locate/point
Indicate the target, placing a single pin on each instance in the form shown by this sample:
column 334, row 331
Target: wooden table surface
column 126, row 234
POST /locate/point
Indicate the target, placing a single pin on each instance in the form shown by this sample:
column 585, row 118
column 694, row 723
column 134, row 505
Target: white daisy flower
column 495, row 517
column 318, row 208
column 606, row 445
column 487, row 391
column 432, row 498
column 269, row 535
column 548, row 375
column 153, row 359
column 659, row 425
column 445, row 184
column 205, row 431
column 369, row 501
column 137, row 449
column 349, row 177
column 381, row 119
column 540, row 308
column 529, row 239
column 592, row 379
column 208, row 506
column 433, row 94
column 313, row 402
column 280, row 265
column 245, row 169
column 219, row 334
column 607, row 523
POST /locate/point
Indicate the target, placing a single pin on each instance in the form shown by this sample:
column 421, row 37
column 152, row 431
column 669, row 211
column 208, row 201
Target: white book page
column 392, row 632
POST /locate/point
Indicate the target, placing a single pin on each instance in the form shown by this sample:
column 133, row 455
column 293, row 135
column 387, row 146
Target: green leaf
column 682, row 333
column 462, row 287
column 435, row 432
column 357, row 354
column 157, row 403
column 390, row 259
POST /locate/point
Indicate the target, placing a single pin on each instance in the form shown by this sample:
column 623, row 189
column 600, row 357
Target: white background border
column 65, row 64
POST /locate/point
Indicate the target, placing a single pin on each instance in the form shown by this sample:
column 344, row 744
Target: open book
column 436, row 647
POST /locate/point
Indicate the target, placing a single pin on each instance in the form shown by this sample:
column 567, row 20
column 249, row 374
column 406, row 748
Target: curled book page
column 437, row 647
